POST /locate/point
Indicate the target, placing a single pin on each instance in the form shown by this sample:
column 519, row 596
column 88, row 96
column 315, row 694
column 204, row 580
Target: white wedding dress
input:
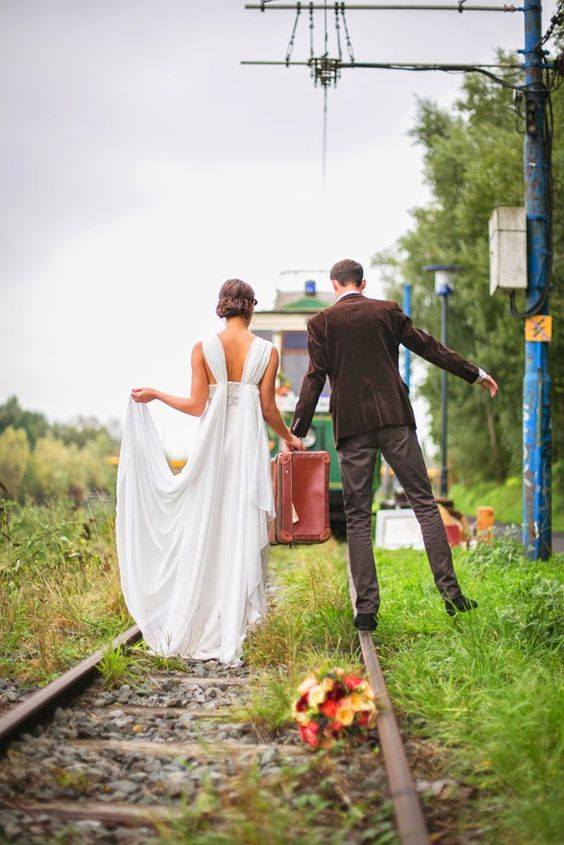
column 193, row 547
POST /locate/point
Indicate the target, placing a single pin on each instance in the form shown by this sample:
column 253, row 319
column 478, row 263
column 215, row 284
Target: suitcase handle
column 285, row 534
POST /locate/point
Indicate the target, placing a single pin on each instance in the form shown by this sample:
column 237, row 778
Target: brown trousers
column 357, row 457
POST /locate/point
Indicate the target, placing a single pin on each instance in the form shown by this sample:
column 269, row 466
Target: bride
column 193, row 547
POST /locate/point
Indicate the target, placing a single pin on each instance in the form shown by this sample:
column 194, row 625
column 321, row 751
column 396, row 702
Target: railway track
column 90, row 765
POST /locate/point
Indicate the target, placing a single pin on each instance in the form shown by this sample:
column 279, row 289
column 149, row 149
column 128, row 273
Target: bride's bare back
column 236, row 343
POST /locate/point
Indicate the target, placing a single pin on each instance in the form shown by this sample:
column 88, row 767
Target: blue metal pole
column 537, row 528
column 406, row 352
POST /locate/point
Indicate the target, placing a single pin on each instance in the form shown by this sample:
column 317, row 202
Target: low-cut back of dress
column 192, row 547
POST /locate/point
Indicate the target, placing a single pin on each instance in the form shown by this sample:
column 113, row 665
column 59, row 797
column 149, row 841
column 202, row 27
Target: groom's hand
column 488, row 383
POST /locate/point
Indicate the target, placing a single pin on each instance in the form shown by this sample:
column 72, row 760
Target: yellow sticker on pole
column 539, row 328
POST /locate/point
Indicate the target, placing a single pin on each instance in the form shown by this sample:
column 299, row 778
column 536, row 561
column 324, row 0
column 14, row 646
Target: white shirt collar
column 349, row 293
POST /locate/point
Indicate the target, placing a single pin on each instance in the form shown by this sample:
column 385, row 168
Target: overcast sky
column 141, row 165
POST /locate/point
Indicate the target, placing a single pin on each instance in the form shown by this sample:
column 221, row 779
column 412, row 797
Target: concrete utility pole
column 537, row 526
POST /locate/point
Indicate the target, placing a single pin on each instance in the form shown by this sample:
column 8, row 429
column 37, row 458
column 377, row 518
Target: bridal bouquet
column 333, row 704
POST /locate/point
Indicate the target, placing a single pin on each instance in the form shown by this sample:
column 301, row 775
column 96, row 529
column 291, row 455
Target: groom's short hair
column 347, row 271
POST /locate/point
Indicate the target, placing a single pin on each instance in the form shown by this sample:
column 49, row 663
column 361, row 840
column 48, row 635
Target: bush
column 60, row 595
column 55, row 471
column 14, row 457
column 46, row 462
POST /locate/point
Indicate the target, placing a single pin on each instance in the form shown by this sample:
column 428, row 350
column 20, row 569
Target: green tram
column 286, row 326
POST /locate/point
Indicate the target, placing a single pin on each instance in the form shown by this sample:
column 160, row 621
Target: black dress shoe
column 366, row 621
column 461, row 604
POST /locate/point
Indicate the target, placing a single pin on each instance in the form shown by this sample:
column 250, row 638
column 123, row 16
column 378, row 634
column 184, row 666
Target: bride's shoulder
column 206, row 342
column 266, row 346
column 202, row 349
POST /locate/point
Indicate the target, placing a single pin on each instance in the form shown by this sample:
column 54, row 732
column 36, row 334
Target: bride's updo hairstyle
column 236, row 299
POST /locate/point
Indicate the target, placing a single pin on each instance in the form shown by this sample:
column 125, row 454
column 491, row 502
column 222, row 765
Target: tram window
column 295, row 340
column 294, row 368
column 295, row 360
column 265, row 334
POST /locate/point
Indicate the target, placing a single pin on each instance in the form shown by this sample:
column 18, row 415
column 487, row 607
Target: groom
column 355, row 343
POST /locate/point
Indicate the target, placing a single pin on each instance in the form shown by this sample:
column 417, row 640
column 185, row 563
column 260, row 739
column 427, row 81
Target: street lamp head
column 444, row 277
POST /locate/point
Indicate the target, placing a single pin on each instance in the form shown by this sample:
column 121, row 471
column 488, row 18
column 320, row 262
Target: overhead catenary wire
column 373, row 7
column 326, row 69
column 484, row 69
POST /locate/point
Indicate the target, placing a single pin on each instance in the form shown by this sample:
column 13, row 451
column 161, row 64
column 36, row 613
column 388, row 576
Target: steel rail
column 39, row 706
column 407, row 807
column 373, row 7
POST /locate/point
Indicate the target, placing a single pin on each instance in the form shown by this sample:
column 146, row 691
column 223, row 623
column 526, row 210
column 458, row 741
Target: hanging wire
column 324, row 138
column 556, row 20
column 546, row 266
column 293, row 34
column 325, row 32
column 338, row 33
column 347, row 35
column 311, row 50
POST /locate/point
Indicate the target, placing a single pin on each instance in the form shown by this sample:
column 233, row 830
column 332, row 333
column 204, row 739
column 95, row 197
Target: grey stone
column 123, row 786
column 270, row 755
column 87, row 826
column 138, row 777
column 11, row 828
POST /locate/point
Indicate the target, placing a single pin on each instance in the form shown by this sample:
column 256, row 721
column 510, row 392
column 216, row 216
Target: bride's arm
column 193, row 404
column 270, row 411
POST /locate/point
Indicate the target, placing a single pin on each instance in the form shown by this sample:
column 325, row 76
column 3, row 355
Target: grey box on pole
column 508, row 249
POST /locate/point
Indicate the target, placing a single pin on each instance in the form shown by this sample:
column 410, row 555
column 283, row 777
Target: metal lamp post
column 406, row 352
column 444, row 286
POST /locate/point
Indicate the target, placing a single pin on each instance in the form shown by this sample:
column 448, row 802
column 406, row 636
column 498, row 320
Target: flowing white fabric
column 193, row 547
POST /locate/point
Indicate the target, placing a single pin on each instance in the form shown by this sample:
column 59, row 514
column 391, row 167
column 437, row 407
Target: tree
column 473, row 162
column 14, row 457
column 34, row 423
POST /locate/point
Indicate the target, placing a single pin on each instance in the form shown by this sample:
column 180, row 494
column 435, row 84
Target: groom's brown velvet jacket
column 356, row 344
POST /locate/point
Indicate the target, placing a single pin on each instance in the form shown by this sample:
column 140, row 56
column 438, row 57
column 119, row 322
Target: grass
column 309, row 625
column 484, row 688
column 126, row 665
column 487, row 686
column 60, row 596
column 505, row 499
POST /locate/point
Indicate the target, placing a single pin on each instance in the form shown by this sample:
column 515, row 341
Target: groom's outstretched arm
column 314, row 379
column 428, row 347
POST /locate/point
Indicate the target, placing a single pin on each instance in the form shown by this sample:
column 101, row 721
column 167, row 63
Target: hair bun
column 236, row 299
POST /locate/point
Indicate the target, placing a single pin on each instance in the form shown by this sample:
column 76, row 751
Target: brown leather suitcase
column 301, row 495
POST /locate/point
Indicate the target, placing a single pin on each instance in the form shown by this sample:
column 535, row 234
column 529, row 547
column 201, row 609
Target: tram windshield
column 293, row 365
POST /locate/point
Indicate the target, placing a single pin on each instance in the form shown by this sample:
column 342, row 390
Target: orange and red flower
column 309, row 733
column 353, row 681
column 331, row 704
